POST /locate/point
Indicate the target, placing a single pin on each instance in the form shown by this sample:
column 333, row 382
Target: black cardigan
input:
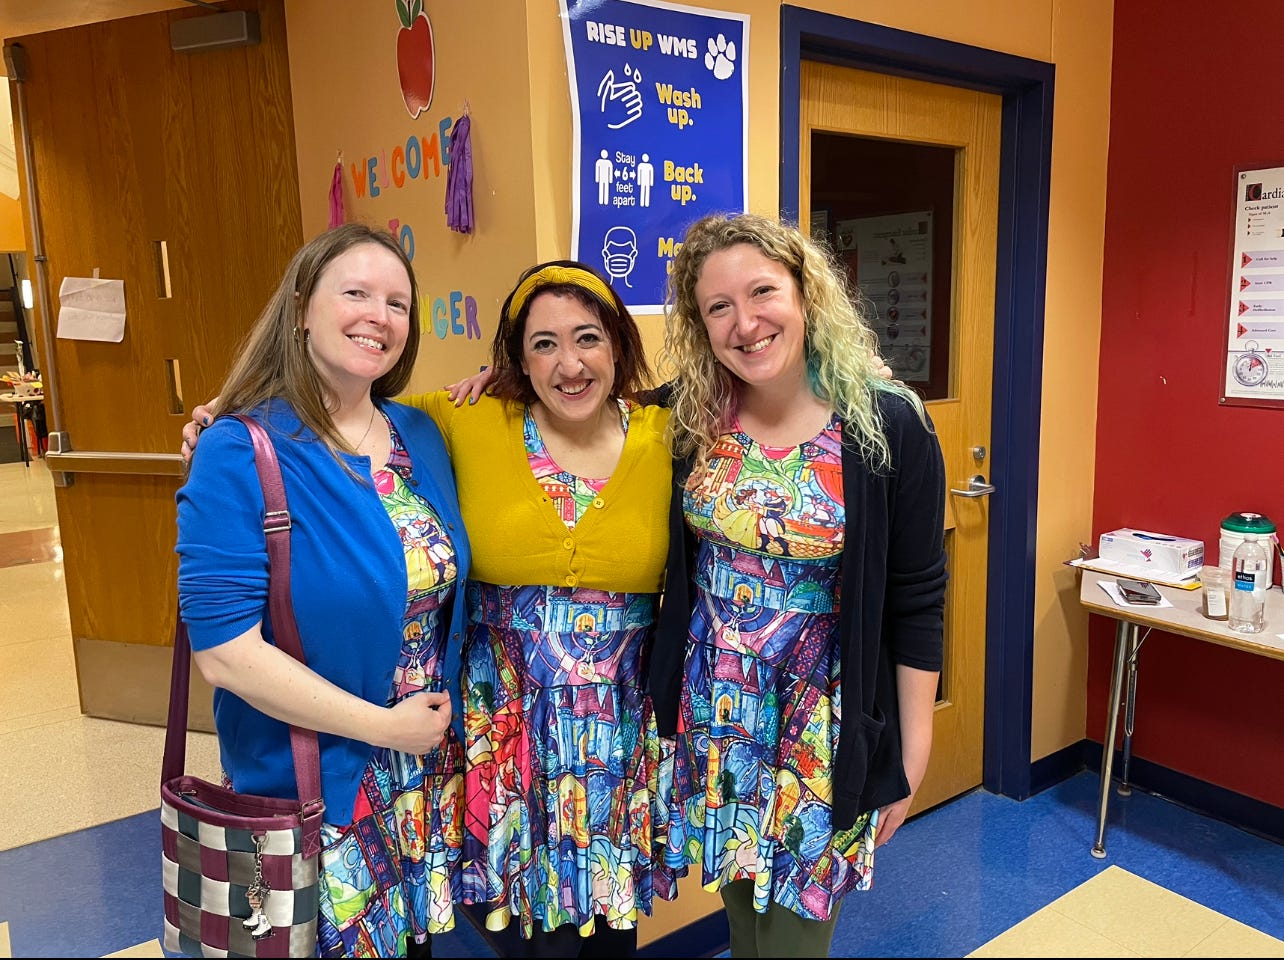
column 891, row 606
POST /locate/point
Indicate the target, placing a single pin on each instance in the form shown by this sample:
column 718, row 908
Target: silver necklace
column 357, row 445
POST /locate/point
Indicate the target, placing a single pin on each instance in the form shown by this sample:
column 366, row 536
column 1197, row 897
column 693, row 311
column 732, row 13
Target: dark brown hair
column 632, row 373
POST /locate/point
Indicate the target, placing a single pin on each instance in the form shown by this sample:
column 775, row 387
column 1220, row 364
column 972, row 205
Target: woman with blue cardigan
column 378, row 561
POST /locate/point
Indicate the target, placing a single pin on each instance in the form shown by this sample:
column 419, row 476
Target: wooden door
column 915, row 122
column 174, row 172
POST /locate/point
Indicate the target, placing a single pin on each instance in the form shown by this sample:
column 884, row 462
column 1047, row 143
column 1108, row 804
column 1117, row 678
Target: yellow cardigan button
column 568, row 543
column 599, row 503
column 572, row 579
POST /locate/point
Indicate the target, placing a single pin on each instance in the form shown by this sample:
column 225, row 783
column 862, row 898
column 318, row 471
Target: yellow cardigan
column 621, row 542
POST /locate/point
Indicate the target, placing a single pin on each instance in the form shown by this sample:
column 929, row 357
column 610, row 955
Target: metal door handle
column 976, row 487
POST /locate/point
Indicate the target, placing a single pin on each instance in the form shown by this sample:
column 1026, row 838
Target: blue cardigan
column 347, row 579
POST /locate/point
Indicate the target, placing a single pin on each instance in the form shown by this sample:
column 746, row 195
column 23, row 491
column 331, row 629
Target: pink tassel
column 336, row 196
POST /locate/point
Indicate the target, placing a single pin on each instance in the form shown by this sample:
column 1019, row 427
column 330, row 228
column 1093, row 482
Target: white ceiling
column 19, row 18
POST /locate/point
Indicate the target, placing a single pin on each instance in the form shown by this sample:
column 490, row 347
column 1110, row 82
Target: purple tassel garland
column 459, row 178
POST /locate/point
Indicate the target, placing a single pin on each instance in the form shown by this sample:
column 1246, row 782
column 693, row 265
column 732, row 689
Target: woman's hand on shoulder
column 202, row 416
column 470, row 388
column 417, row 724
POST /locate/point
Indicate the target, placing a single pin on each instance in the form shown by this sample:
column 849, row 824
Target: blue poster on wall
column 659, row 95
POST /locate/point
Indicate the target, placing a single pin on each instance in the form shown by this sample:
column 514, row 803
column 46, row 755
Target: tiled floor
column 61, row 769
column 981, row 876
column 1098, row 918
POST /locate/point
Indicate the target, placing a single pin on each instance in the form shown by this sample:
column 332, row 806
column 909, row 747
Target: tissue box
column 1155, row 551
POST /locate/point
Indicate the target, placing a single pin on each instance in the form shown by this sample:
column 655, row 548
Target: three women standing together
column 797, row 540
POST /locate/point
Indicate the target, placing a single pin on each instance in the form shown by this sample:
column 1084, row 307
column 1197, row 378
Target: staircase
column 13, row 319
column 9, row 329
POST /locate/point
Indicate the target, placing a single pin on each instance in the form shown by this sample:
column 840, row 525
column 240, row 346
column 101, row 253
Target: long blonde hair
column 274, row 361
column 840, row 345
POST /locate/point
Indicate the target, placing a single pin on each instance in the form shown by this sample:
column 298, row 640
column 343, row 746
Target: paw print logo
column 721, row 58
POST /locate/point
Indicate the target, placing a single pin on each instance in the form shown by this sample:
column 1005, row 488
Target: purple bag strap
column 303, row 743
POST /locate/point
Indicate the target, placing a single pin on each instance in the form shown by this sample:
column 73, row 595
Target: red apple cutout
column 415, row 55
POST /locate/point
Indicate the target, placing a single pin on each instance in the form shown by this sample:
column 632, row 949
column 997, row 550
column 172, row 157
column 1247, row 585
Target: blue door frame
column 1025, row 161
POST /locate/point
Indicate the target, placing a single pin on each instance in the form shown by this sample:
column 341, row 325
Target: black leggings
column 565, row 941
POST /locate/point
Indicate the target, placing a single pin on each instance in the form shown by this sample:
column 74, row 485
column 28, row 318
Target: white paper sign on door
column 91, row 309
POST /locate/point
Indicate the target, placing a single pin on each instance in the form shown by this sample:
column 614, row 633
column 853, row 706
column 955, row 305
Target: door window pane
column 886, row 207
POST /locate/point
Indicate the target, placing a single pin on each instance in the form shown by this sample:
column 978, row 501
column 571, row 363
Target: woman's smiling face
column 358, row 316
column 752, row 309
column 568, row 357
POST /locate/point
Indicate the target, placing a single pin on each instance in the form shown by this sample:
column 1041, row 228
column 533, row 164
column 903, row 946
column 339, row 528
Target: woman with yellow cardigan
column 564, row 485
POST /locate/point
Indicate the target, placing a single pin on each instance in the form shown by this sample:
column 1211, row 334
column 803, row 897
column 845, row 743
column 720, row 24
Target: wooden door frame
column 1026, row 87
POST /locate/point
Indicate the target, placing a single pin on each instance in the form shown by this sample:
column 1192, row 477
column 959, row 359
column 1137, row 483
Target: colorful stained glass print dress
column 563, row 757
column 398, row 861
column 761, row 704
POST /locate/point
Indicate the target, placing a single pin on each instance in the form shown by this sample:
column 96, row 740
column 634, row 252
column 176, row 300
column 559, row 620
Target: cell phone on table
column 1137, row 591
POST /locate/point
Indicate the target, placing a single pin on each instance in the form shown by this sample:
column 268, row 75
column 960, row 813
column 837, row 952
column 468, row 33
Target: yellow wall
column 1078, row 43
column 346, row 98
column 11, row 235
column 1081, row 48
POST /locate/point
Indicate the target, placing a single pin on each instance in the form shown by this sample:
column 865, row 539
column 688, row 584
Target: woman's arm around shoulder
column 437, row 405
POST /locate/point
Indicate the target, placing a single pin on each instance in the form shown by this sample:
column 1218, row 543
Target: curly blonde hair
column 841, row 348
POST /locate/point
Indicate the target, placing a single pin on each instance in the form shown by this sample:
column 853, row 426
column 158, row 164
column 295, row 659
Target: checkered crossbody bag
column 240, row 871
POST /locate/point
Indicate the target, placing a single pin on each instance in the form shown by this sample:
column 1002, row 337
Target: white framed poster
column 1254, row 355
column 893, row 268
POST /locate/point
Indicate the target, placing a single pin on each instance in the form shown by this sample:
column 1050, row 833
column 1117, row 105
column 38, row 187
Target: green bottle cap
column 1248, row 523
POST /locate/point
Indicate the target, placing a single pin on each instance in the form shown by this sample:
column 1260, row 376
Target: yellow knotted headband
column 554, row 274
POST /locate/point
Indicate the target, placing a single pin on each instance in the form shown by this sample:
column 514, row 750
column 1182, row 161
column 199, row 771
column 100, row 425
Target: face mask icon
column 619, row 253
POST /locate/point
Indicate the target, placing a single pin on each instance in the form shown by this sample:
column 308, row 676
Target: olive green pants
column 777, row 933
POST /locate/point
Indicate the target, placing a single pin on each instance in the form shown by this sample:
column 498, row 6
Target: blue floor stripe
column 949, row 881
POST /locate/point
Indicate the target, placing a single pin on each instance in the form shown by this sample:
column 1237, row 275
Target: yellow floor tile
column 151, row 948
column 103, row 770
column 1051, row 934
column 26, row 497
column 36, row 676
column 33, row 603
column 1235, row 939
column 1142, row 916
column 39, row 719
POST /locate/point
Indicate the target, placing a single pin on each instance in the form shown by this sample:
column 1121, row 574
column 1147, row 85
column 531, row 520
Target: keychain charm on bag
column 257, row 894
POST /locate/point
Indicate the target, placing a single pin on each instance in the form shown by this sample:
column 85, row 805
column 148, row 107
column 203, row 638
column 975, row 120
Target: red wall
column 1196, row 90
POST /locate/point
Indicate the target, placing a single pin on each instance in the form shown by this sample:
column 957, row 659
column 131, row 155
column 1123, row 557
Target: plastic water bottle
column 1248, row 593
